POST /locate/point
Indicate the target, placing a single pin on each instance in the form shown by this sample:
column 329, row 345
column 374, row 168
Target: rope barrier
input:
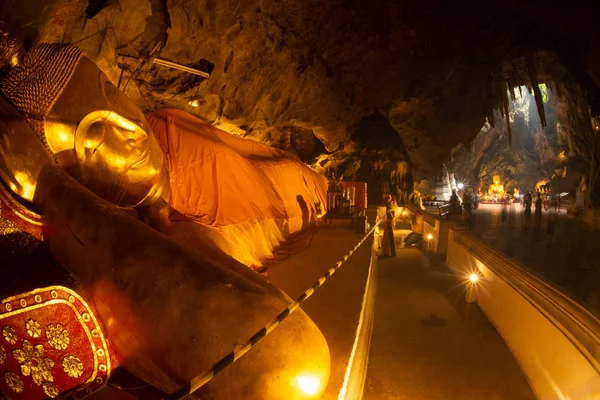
column 230, row 358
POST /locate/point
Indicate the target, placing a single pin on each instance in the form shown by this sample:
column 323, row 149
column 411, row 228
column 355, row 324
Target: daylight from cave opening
column 273, row 199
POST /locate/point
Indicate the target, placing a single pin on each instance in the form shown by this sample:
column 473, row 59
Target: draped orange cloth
column 217, row 179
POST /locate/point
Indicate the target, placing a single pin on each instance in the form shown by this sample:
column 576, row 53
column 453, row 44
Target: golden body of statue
column 76, row 151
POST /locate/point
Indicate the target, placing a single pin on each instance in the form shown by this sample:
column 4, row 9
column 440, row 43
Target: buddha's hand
column 22, row 154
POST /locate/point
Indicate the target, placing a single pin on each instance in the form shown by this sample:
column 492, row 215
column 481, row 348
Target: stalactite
column 507, row 116
column 511, row 89
column 500, row 89
column 539, row 102
column 521, row 91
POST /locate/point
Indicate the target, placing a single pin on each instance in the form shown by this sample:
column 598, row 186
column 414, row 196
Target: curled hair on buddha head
column 35, row 83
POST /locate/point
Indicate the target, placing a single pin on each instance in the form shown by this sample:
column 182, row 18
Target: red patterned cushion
column 51, row 344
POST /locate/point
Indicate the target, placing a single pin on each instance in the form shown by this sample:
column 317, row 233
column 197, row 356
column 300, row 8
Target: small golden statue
column 496, row 188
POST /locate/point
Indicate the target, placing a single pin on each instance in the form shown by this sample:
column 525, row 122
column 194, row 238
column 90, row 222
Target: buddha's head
column 98, row 135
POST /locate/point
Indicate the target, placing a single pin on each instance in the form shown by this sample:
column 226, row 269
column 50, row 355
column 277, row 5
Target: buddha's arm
column 171, row 312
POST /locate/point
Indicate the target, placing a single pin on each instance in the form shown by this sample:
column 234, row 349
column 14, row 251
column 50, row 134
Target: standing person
column 466, row 198
column 467, row 208
column 388, row 247
column 558, row 203
column 392, row 209
column 455, row 203
column 475, row 199
column 527, row 214
column 538, row 211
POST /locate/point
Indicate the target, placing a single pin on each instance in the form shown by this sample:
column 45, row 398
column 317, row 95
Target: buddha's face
column 117, row 159
column 97, row 134
column 116, row 155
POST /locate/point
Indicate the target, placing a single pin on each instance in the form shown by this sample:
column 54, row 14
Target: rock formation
column 293, row 74
column 529, row 153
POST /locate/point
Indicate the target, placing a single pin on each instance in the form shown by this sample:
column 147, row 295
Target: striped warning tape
column 230, row 358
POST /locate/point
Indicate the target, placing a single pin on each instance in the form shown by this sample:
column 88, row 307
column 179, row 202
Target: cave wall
column 266, row 79
column 282, row 67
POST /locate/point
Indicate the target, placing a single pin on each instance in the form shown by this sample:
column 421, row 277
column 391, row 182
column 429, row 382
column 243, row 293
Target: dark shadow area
column 305, row 144
column 20, row 259
column 375, row 132
column 384, row 163
column 94, row 7
column 305, row 212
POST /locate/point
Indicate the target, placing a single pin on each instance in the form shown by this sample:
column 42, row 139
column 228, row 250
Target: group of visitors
column 537, row 218
column 470, row 201
column 464, row 211
column 463, row 206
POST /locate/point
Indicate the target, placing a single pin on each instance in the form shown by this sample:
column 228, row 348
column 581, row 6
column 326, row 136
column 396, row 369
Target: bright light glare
column 473, row 278
column 309, row 384
column 194, row 103
column 403, row 213
column 429, row 236
column 460, row 186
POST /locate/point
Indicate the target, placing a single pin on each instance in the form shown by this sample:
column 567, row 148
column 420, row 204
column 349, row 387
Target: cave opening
column 531, row 158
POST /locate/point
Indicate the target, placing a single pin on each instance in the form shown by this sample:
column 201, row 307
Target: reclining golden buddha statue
column 106, row 298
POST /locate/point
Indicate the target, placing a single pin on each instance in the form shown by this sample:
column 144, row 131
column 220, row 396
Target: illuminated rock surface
column 283, row 70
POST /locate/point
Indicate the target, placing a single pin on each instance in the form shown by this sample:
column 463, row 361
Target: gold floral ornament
column 2, row 355
column 50, row 389
column 33, row 328
column 9, row 334
column 72, row 366
column 58, row 337
column 14, row 382
column 34, row 363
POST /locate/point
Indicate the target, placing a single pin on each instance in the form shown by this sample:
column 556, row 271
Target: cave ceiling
column 285, row 67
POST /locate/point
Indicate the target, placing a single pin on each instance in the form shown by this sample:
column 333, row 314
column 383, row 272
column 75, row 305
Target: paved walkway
column 429, row 344
column 335, row 307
